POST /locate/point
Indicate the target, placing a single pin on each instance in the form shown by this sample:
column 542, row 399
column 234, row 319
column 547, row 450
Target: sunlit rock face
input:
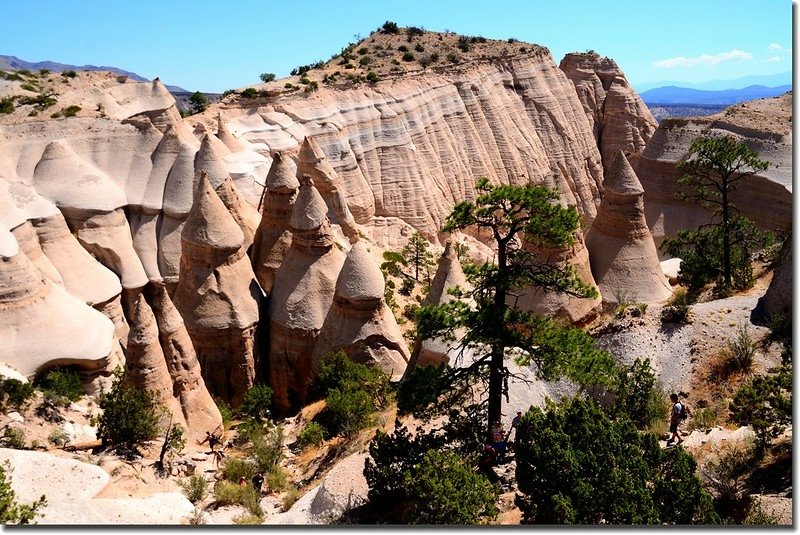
column 620, row 119
column 218, row 296
column 302, row 296
column 622, row 253
column 765, row 125
column 359, row 322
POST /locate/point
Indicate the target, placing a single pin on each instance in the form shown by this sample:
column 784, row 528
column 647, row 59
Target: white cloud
column 705, row 60
column 775, row 47
column 773, row 59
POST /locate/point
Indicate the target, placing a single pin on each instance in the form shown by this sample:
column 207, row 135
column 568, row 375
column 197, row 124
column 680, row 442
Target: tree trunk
column 498, row 351
column 726, row 235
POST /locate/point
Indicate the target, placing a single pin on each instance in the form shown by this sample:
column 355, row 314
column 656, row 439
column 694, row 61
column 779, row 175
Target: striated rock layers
column 302, row 296
column 764, row 125
column 620, row 119
column 359, row 322
column 411, row 148
column 623, row 255
column 273, row 237
column 218, row 296
column 41, row 325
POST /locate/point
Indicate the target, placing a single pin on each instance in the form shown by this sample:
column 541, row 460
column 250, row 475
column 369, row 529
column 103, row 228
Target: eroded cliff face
column 411, row 148
column 100, row 205
column 764, row 125
column 620, row 119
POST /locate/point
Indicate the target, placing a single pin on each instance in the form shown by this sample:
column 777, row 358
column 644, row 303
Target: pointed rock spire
column 281, row 176
column 225, row 135
column 621, row 179
column 209, row 223
column 310, row 211
column 448, row 275
column 199, row 410
column 621, row 249
column 360, row 323
column 145, row 361
column 209, row 160
column 245, row 215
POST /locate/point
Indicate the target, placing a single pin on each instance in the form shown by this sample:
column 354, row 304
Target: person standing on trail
column 675, row 417
column 498, row 440
column 514, row 424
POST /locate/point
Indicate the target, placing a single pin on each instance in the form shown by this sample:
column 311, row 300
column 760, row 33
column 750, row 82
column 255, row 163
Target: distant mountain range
column 14, row 63
column 770, row 80
column 685, row 95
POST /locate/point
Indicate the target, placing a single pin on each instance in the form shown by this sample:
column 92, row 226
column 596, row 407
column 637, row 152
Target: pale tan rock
column 218, row 296
column 449, row 276
column 301, row 297
column 623, row 254
column 776, row 303
column 622, row 121
column 359, row 322
column 312, row 161
column 245, row 215
column 764, row 125
column 145, row 362
column 83, row 276
column 28, row 241
column 41, row 325
column 199, row 410
column 413, row 147
column 560, row 304
column 273, row 237
column 107, row 236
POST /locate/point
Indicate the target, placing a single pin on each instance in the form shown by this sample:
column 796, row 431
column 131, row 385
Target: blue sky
column 217, row 45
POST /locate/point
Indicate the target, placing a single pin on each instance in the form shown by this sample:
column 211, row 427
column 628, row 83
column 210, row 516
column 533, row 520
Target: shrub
column 576, row 466
column 130, row 415
column 290, row 498
column 703, row 418
column 452, row 57
column 58, row 437
column 365, row 60
column 195, row 488
column 15, row 393
column 446, row 491
column 390, row 27
column 349, row 410
column 228, row 92
column 14, row 438
column 29, row 87
column 727, row 478
column 12, row 512
column 267, row 76
column 40, row 101
column 6, row 105
column 336, row 370
column 402, row 48
column 372, row 77
column 757, row 516
column 234, row 468
column 463, row 44
column 312, row 434
column 44, row 71
column 61, row 383
column 249, row 92
column 637, row 395
column 677, row 309
column 257, row 402
column 363, row 50
column 413, row 31
column 740, row 351
column 248, row 520
column 225, row 411
column 69, row 74
column 765, row 404
column 198, row 102
column 408, row 56
column 227, row 493
column 276, row 479
column 419, row 391
column 419, row 48
column 267, row 449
